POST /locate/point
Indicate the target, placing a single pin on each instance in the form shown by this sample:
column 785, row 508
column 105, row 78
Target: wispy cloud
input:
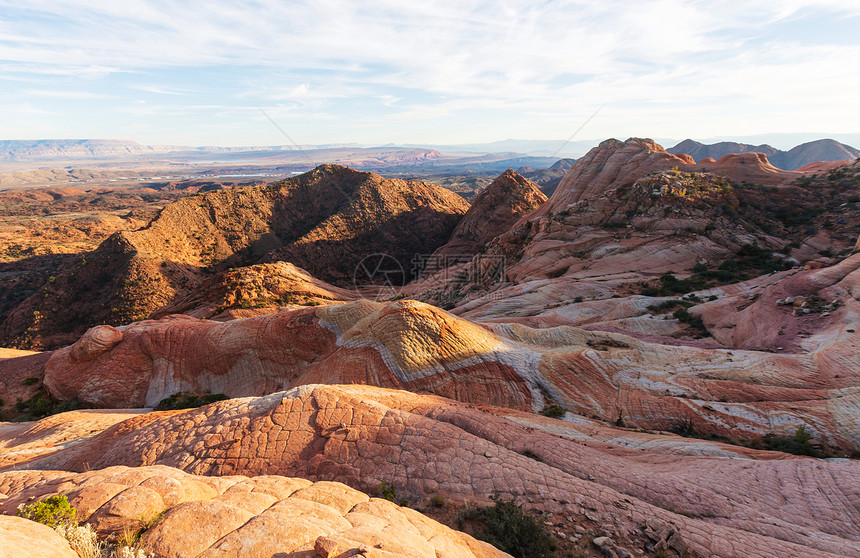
column 59, row 94
column 665, row 65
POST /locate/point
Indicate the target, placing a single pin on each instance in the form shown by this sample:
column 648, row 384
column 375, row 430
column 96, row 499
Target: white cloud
column 66, row 94
column 667, row 62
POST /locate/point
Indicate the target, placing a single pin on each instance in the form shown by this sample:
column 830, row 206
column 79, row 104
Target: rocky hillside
column 617, row 164
column 794, row 158
column 615, row 223
column 325, row 221
column 501, row 204
column 255, row 289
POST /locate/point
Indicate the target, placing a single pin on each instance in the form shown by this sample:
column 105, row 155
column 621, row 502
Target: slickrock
column 16, row 369
column 818, row 324
column 405, row 344
column 23, row 538
column 25, row 441
column 746, row 167
column 747, row 503
column 611, row 164
column 229, row 516
column 668, row 221
column 730, row 392
column 616, row 164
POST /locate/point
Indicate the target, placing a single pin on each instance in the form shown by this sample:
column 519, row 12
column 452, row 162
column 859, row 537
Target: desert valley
column 384, row 352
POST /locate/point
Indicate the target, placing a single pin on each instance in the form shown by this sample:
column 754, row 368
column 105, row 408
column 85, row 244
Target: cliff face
column 325, row 221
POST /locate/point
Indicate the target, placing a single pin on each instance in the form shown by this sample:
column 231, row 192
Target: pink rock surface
column 406, row 344
column 229, row 516
column 23, row 538
column 731, row 392
column 747, row 503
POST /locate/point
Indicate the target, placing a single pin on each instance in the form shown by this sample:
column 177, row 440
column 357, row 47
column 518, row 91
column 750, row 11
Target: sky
column 431, row 72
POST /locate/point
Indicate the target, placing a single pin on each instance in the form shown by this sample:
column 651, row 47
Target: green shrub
column 31, row 381
column 694, row 322
column 553, row 411
column 799, row 444
column 36, row 407
column 52, row 511
column 388, row 492
column 184, row 400
column 437, row 501
column 510, row 529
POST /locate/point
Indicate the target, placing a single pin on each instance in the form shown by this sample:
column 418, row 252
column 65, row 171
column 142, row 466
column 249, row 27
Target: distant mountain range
column 494, row 156
column 71, row 149
column 802, row 155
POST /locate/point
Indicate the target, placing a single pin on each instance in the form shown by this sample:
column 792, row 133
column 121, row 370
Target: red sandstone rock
column 616, row 164
column 756, row 503
column 249, row 517
column 409, row 345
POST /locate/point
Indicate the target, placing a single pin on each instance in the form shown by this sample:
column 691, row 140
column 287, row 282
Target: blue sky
column 441, row 72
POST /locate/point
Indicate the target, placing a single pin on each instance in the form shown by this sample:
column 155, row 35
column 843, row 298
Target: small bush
column 799, row 444
column 553, row 411
column 84, row 540
column 184, row 400
column 437, row 501
column 52, row 511
column 31, row 381
column 510, row 529
column 694, row 322
column 388, row 492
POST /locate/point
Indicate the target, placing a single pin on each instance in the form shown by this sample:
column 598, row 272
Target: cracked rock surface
column 720, row 500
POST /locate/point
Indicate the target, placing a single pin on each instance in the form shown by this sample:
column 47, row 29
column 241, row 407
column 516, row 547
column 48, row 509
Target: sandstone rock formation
column 624, row 482
column 325, row 221
column 669, row 221
column 228, row 516
column 493, row 212
column 268, row 286
column 615, row 164
column 23, row 538
column 408, row 345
